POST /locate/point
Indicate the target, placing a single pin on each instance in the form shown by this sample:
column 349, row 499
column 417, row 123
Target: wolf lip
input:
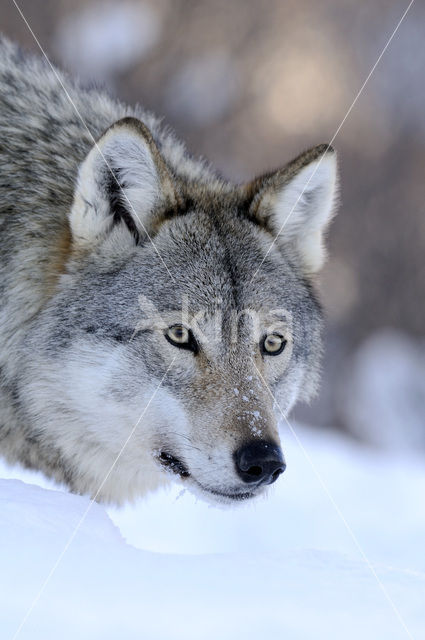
column 246, row 495
column 234, row 496
column 229, row 495
column 174, row 464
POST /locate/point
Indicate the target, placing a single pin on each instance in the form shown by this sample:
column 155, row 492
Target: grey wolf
column 138, row 287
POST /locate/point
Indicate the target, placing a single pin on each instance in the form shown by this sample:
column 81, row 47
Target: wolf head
column 185, row 322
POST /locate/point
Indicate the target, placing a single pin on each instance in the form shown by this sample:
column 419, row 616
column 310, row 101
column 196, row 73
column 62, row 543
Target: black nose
column 259, row 461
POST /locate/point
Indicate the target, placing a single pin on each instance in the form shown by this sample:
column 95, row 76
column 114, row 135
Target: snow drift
column 335, row 551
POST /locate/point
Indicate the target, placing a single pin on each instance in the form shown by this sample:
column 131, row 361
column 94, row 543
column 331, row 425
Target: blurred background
column 249, row 84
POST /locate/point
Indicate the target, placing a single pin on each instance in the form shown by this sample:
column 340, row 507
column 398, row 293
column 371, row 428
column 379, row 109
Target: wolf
column 156, row 319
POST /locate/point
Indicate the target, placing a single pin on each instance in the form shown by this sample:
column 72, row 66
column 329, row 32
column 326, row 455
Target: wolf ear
column 297, row 202
column 124, row 180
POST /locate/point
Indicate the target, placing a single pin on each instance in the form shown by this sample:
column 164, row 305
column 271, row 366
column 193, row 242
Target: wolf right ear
column 123, row 179
column 296, row 203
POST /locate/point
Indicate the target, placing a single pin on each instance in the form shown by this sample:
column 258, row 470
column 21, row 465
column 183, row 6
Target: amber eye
column 273, row 344
column 182, row 337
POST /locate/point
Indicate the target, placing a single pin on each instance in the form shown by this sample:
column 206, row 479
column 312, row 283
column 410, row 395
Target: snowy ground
column 335, row 552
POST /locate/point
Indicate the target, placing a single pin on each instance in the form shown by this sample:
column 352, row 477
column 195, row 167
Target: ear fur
column 297, row 203
column 123, row 179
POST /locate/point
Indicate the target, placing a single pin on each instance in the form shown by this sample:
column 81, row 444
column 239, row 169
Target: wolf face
column 185, row 312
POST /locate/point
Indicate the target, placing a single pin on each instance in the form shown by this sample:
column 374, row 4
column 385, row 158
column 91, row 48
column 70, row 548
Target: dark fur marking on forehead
column 230, row 263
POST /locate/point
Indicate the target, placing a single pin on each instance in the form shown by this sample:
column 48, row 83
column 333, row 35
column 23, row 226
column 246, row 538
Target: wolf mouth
column 173, row 464
column 246, row 495
column 226, row 495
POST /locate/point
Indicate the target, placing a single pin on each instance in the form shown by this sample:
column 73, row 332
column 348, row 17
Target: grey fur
column 74, row 374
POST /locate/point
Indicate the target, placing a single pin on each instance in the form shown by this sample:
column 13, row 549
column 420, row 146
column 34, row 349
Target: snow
column 335, row 551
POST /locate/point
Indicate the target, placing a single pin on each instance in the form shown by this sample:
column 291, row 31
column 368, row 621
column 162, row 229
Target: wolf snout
column 259, row 462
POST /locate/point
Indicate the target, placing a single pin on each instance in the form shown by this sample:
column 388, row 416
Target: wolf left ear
column 297, row 202
column 123, row 179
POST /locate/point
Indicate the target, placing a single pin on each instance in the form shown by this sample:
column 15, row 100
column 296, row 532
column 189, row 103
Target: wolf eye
column 272, row 344
column 182, row 337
